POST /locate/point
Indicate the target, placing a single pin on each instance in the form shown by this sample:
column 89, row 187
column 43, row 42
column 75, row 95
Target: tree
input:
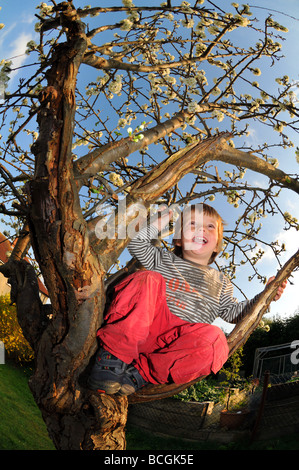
column 154, row 65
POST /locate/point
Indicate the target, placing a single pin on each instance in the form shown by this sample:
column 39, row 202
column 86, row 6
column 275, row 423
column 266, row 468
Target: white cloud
column 290, row 238
column 5, row 32
column 14, row 38
column 252, row 136
column 289, row 301
column 17, row 52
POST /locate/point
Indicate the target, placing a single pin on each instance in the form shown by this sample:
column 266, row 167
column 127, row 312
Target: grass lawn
column 22, row 427
column 21, row 424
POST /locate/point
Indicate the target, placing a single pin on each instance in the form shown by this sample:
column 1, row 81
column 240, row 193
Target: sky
column 19, row 20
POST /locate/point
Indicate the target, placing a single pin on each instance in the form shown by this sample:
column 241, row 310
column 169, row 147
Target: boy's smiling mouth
column 200, row 240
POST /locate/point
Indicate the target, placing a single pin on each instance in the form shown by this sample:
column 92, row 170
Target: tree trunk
column 76, row 418
column 65, row 341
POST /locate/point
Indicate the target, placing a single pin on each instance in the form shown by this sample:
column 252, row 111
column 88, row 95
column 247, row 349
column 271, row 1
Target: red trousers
column 140, row 328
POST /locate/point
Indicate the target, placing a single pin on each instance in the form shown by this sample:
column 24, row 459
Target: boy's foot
column 132, row 381
column 107, row 373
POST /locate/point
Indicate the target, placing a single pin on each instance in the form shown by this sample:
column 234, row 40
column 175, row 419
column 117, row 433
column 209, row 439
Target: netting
column 280, row 360
column 272, row 410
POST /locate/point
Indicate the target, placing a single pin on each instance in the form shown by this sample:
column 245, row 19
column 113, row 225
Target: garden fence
column 273, row 411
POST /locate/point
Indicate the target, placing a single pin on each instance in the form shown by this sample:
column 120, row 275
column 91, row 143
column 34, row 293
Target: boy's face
column 199, row 237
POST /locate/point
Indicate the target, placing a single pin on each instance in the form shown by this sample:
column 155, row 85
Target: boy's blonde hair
column 208, row 210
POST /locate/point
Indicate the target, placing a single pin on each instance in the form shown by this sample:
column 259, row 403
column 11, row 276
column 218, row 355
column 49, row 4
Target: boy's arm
column 140, row 247
column 238, row 310
column 162, row 218
column 233, row 311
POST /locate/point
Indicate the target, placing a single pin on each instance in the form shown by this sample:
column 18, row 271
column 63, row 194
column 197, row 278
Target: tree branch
column 31, row 314
column 21, row 246
column 99, row 159
column 100, row 63
column 247, row 325
column 149, row 188
column 248, row 160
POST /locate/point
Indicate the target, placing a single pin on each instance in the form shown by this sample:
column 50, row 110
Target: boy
column 158, row 328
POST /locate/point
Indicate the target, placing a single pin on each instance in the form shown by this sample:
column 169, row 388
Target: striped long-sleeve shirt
column 195, row 293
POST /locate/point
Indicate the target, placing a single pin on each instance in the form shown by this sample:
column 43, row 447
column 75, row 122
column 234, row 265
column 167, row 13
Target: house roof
column 5, row 249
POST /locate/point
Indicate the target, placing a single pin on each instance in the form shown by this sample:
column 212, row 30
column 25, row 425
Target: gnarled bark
column 76, row 418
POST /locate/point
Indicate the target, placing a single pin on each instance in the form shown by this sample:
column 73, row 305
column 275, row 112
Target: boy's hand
column 280, row 289
column 162, row 218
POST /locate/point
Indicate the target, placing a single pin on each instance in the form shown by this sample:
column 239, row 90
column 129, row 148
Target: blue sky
column 19, row 20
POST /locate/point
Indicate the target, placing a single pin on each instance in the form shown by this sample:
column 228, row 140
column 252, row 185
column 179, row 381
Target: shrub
column 210, row 390
column 16, row 346
column 232, row 367
column 205, row 390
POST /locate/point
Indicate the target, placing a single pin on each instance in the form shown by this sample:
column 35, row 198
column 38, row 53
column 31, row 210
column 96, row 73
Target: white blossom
column 256, row 71
column 193, row 107
column 122, row 122
column 116, row 179
column 190, row 81
column 126, row 25
column 218, row 115
column 188, row 23
column 213, row 30
column 116, row 85
column 127, row 3
column 216, row 91
column 274, row 162
column 241, row 21
column 279, row 127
